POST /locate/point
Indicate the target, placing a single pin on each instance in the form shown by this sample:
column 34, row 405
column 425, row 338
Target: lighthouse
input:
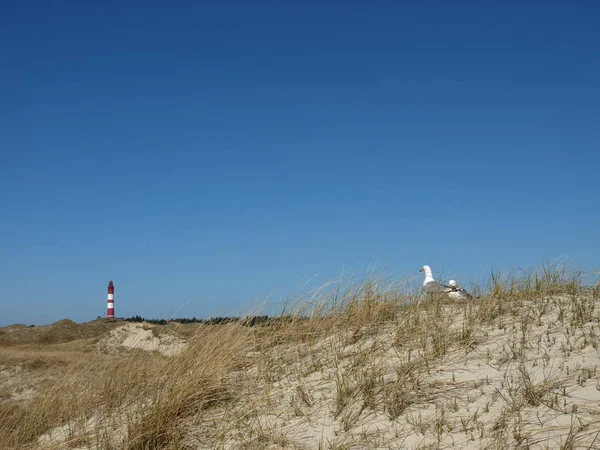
column 110, row 310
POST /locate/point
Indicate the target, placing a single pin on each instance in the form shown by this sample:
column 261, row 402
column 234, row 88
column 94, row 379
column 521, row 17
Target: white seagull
column 430, row 285
column 458, row 293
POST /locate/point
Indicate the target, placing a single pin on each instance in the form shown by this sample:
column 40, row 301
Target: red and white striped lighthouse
column 110, row 311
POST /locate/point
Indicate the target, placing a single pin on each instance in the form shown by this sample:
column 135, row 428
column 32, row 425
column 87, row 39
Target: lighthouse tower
column 110, row 311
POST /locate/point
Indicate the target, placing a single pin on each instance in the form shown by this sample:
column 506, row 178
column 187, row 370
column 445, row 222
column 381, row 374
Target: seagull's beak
column 421, row 269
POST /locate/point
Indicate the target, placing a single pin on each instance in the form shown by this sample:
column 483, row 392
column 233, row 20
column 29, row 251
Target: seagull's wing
column 435, row 286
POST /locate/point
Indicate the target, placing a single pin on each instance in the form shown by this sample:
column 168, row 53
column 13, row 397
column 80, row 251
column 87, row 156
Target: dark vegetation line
column 247, row 321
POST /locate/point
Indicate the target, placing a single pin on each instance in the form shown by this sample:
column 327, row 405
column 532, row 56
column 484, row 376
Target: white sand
column 140, row 336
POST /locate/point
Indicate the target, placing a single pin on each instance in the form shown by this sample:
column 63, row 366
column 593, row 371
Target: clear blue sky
column 209, row 154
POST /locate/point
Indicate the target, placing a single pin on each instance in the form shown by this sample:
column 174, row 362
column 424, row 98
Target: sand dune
column 510, row 370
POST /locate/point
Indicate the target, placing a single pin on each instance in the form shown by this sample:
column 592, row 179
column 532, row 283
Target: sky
column 207, row 156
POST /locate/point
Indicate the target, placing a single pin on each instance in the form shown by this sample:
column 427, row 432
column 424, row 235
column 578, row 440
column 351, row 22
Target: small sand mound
column 64, row 323
column 141, row 336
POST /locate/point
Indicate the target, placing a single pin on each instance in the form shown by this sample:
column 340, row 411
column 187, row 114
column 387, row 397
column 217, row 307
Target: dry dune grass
column 364, row 366
column 60, row 332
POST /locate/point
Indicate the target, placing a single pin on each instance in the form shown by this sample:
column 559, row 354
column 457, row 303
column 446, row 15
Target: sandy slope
column 525, row 377
column 141, row 336
column 522, row 382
